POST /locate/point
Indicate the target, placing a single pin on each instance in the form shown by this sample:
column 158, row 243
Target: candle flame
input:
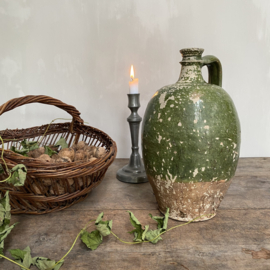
column 131, row 72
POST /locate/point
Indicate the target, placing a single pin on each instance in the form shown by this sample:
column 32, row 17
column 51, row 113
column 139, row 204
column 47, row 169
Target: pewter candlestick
column 134, row 172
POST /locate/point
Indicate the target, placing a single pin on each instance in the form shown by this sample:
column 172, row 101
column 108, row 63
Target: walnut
column 45, row 158
column 92, row 159
column 37, row 152
column 58, row 159
column 100, row 152
column 67, row 152
column 80, row 145
column 79, row 155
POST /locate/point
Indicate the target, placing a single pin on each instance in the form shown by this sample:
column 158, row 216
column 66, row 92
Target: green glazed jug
column 191, row 140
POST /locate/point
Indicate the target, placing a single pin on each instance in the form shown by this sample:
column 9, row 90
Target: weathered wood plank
column 211, row 244
column 192, row 259
column 250, row 188
column 113, row 194
column 241, row 222
column 254, row 166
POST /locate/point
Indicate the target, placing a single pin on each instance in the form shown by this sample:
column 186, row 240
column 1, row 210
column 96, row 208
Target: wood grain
column 242, row 222
column 250, row 188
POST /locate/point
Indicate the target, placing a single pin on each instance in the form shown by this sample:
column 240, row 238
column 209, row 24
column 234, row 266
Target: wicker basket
column 77, row 178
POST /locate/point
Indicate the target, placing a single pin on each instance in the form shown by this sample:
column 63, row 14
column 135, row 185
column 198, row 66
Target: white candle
column 134, row 83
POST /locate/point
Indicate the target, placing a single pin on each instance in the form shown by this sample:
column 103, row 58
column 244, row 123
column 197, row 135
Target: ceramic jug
column 191, row 140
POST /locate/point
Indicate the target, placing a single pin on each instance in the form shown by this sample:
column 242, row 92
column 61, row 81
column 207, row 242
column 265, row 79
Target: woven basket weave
column 40, row 194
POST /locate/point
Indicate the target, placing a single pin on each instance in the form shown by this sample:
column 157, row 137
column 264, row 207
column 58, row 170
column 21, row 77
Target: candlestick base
column 132, row 175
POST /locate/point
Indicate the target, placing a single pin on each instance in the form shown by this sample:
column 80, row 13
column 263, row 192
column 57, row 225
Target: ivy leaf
column 62, row 142
column 159, row 220
column 151, row 236
column 26, row 147
column 18, row 176
column 139, row 232
column 22, row 256
column 33, row 147
column 21, row 152
column 5, row 210
column 44, row 263
column 29, row 145
column 162, row 221
column 99, row 218
column 5, row 216
column 166, row 218
column 2, row 214
column 4, row 232
column 17, row 254
column 104, row 227
column 49, row 151
column 145, row 232
column 92, row 240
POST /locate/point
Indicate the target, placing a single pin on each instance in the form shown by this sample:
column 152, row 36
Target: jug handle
column 214, row 69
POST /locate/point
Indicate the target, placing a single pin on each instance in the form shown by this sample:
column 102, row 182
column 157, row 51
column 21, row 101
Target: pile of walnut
column 78, row 152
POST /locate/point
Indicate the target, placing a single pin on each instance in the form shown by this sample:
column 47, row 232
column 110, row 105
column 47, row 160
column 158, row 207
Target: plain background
column 80, row 51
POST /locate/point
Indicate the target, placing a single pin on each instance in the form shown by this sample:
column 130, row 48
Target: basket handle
column 17, row 102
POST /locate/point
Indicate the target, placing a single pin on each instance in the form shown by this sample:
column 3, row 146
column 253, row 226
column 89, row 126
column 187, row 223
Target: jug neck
column 191, row 66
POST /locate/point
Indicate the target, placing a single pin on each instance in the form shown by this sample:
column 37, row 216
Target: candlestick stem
column 134, row 172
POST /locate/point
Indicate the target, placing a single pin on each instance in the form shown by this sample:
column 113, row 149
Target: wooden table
column 242, row 222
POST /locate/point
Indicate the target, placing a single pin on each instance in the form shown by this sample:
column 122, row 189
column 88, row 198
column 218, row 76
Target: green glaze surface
column 191, row 131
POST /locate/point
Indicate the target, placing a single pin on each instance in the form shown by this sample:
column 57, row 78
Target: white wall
column 80, row 51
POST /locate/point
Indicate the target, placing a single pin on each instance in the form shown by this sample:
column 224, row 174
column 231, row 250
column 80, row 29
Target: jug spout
column 191, row 66
column 192, row 54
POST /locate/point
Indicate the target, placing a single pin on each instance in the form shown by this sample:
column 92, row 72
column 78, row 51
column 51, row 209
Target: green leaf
column 27, row 144
column 166, row 218
column 151, row 236
column 18, row 176
column 139, row 234
column 99, row 218
column 2, row 214
column 92, row 240
column 49, row 151
column 5, row 216
column 5, row 210
column 44, row 263
column 26, row 147
column 145, row 231
column 4, row 232
column 162, row 221
column 62, row 142
column 104, row 227
column 1, row 169
column 17, row 254
column 33, row 147
column 22, row 256
column 21, row 152
column 159, row 220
